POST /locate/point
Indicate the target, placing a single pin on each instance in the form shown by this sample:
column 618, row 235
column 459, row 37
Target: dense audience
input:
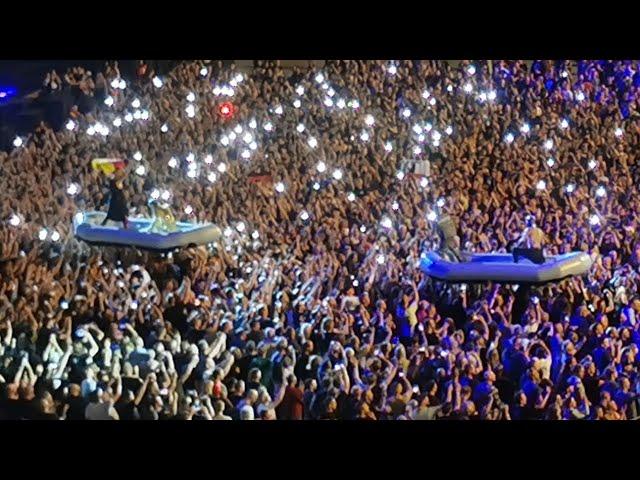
column 327, row 183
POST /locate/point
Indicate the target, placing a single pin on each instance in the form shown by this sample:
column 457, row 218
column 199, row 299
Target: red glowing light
column 226, row 110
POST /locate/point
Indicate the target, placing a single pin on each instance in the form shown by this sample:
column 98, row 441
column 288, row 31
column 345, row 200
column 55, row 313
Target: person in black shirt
column 118, row 209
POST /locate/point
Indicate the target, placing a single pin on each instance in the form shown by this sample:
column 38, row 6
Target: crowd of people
column 312, row 305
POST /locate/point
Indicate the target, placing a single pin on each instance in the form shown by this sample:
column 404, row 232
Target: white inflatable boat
column 500, row 267
column 87, row 227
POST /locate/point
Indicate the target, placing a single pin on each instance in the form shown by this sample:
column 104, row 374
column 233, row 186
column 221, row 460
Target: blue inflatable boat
column 500, row 267
column 140, row 233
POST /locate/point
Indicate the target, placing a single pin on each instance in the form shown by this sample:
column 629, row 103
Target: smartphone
column 80, row 332
column 401, row 374
column 463, row 287
column 416, row 389
column 535, row 300
column 444, row 354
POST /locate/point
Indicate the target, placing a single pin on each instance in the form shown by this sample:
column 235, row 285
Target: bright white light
column 392, row 69
column 424, row 182
column 570, row 188
column 417, row 150
column 166, row 195
column 432, row 101
column 253, row 146
column 304, row 215
column 157, row 82
column 73, row 189
column 564, row 74
column 255, row 235
column 253, row 124
column 55, row 236
column 173, row 162
column 388, row 147
column 137, row 114
column 551, row 162
column 128, row 118
column 224, row 140
column 17, row 142
column 395, row 206
column 14, row 220
column 188, row 209
column 406, row 113
column 548, row 144
column 618, row 132
column 247, row 137
column 592, row 164
column 471, row 70
column 601, row 192
column 140, row 170
column 212, row 177
column 268, row 126
column 491, row 95
column 222, row 167
column 436, row 135
column 191, row 97
column 363, row 228
column 115, row 83
column 192, row 173
column 328, row 102
column 70, row 125
column 190, row 157
column 448, row 130
column 355, row 104
column 564, row 123
column 228, row 232
column 525, row 128
column 580, row 96
column 417, row 129
column 300, row 128
column 203, row 72
column 337, row 174
column 319, row 78
column 117, row 122
column 137, row 156
column 232, row 136
column 42, row 234
column 208, row 159
column 431, row 216
column 364, row 136
column 400, row 175
column 449, row 88
column 440, row 202
column 90, row 131
column 245, row 154
column 239, row 77
column 79, row 218
column 144, row 115
column 425, row 94
column 428, row 127
column 386, row 222
column 421, row 138
column 369, row 120
column 122, row 85
column 135, row 103
column 541, row 185
column 351, row 196
column 217, row 90
column 509, row 137
column 331, row 92
column 313, row 143
column 300, row 90
column 467, row 87
column 240, row 227
column 316, row 186
column 155, row 194
column 278, row 110
column 238, row 129
column 108, row 101
column 191, row 111
column 482, row 97
column 594, row 220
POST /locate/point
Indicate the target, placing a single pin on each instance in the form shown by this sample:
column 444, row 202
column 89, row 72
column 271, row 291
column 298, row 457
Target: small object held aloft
column 226, row 110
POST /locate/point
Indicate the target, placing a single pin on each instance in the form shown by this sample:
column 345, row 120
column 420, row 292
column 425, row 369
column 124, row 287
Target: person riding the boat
column 118, row 208
column 531, row 242
column 449, row 241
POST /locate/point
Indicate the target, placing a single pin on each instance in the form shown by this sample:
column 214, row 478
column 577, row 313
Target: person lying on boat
column 118, row 208
column 531, row 242
column 163, row 219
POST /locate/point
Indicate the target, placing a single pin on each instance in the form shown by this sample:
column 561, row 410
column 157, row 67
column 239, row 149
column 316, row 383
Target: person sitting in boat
column 531, row 242
column 449, row 241
column 118, row 208
column 163, row 219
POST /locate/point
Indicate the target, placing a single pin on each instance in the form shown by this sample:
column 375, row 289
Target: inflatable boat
column 141, row 233
column 500, row 267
